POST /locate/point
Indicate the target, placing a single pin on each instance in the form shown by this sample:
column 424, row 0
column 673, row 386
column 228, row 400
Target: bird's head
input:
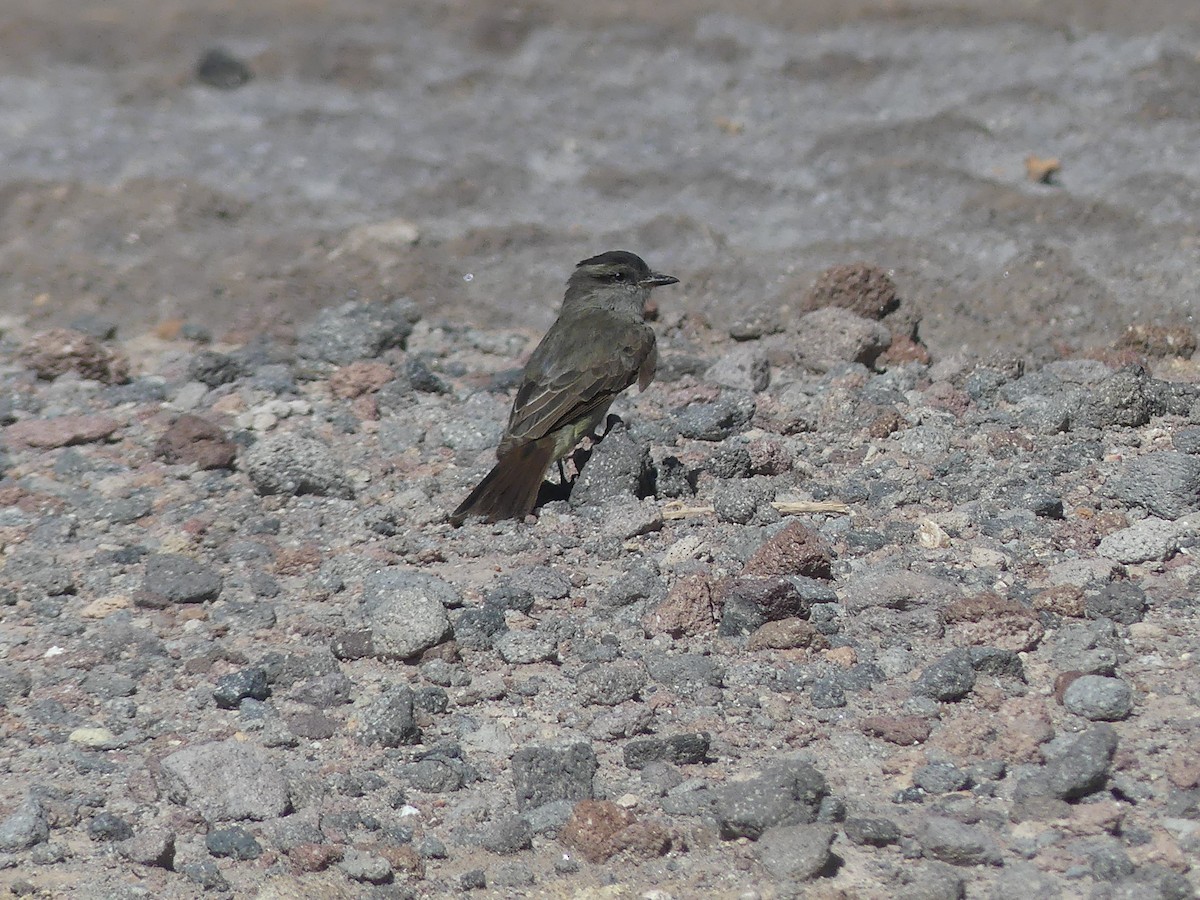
column 615, row 279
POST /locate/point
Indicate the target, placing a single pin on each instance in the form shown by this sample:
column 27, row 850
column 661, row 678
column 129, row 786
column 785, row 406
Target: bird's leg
column 562, row 473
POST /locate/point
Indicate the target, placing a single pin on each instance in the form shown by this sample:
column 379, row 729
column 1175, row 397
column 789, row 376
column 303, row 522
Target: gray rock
column 476, row 628
column 717, row 420
column 750, row 602
column 525, row 647
column 106, row 826
column 214, row 369
column 831, row 336
column 367, row 867
column 788, row 792
column 436, row 775
column 509, row 835
column 742, row 368
column 1122, row 399
column 357, row 330
column 826, row 693
column 1121, row 601
column 543, row 582
column 619, row 467
column 941, row 778
column 1149, row 539
column 235, row 687
column 15, row 683
column 387, row 721
column 935, row 882
column 150, row 847
column 512, row 875
column 796, row 852
column 549, row 818
column 745, row 501
column 234, row 842
column 545, row 774
column 25, row 827
column 684, row 673
column 288, row 463
column 948, row 679
column 872, row 832
column 1166, row 482
column 406, row 611
column 636, row 585
column 610, row 684
column 1075, row 766
column 205, row 874
column 1022, row 879
column 678, row 749
column 958, row 844
column 1099, row 698
column 227, row 780
column 175, row 578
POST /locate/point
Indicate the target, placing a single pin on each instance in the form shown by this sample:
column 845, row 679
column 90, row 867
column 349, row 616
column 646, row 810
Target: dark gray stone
column 872, row 832
column 1165, row 482
column 206, row 874
column 387, row 721
column 106, row 826
column 475, row 628
column 366, row 867
column 1121, row 601
column 227, row 780
column 941, row 778
column 957, row 843
column 235, row 687
column 948, row 679
column 826, row 693
column 610, row 684
column 749, row 602
column 215, row 369
column 288, row 463
column 796, row 852
column 406, row 611
column 715, row 421
column 678, row 749
column 357, row 330
column 15, row 683
column 25, row 827
column 1099, row 698
column 153, row 847
column 618, row 467
column 234, row 842
column 545, row 774
column 509, row 835
column 1075, row 766
column 174, row 578
column 684, row 673
column 788, row 792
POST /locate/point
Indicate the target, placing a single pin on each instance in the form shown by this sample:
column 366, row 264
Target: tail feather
column 510, row 490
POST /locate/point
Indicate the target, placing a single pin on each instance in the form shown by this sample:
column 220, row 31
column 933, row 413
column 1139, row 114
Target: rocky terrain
column 885, row 587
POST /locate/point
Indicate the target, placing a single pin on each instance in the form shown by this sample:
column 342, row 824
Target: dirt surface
column 266, row 270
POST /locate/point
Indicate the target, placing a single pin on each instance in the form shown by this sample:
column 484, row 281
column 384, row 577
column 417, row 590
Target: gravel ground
column 884, row 588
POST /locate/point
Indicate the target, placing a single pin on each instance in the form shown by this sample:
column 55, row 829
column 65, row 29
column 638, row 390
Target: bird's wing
column 563, row 385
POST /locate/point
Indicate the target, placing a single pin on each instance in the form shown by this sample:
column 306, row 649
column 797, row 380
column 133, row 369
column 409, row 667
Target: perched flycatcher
column 599, row 345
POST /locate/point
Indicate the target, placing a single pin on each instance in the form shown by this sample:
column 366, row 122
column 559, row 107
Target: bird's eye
column 618, row 276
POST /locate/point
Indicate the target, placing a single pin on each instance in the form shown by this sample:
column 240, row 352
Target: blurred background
column 1028, row 171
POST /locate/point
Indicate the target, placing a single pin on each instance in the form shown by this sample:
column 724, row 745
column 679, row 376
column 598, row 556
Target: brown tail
column 510, row 490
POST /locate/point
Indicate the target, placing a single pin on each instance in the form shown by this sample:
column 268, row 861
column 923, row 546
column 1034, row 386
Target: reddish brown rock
column 193, row 440
column 1063, row 600
column 902, row 730
column 360, row 378
column 401, row 857
column 62, row 431
column 591, row 827
column 903, row 349
column 795, row 550
column 313, row 857
column 989, row 620
column 60, row 350
column 643, row 840
column 689, row 609
column 865, row 290
column 787, row 634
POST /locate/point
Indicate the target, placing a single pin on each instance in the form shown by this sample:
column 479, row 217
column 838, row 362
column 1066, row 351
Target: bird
column 598, row 346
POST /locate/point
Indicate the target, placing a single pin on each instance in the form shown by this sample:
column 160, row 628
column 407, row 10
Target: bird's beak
column 658, row 280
